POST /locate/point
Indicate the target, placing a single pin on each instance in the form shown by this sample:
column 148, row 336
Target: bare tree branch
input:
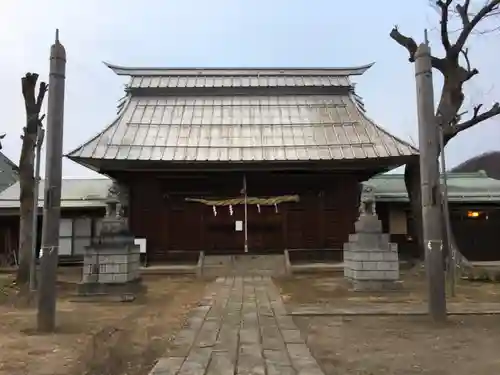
column 469, row 73
column 28, row 83
column 465, row 52
column 404, row 41
column 469, row 24
column 444, row 6
column 475, row 119
column 463, row 12
column 41, row 95
column 411, row 47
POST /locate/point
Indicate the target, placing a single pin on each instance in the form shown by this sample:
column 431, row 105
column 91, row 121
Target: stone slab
column 240, row 327
column 134, row 287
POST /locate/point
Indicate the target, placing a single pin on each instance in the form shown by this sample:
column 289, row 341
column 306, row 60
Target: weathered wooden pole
column 46, row 317
column 429, row 174
column 34, row 238
column 446, row 216
column 245, row 203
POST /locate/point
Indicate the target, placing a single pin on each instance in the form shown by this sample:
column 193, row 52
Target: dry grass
column 104, row 338
column 328, row 290
column 396, row 345
column 404, row 345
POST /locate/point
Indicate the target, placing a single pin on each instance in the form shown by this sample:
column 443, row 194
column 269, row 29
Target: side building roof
column 241, row 115
column 9, row 172
column 75, row 193
column 475, row 187
column 92, row 193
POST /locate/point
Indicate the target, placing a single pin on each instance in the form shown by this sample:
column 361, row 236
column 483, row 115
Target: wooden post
column 246, row 213
column 34, row 237
column 446, row 215
column 429, row 174
column 46, row 316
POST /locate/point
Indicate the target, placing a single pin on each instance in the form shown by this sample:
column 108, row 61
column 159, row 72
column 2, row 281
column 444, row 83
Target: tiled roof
column 243, row 128
column 9, row 172
column 145, row 81
column 75, row 193
column 142, row 78
column 462, row 187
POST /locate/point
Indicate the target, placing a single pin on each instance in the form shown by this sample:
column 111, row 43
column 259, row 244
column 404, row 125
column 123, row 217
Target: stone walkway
column 240, row 328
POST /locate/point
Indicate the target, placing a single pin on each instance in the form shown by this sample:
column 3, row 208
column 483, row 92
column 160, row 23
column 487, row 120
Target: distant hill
column 488, row 162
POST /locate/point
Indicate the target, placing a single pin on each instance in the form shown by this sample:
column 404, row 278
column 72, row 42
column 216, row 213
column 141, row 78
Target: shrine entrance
column 243, row 224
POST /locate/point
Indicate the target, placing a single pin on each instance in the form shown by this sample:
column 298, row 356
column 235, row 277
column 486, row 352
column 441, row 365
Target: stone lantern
column 112, row 262
column 371, row 261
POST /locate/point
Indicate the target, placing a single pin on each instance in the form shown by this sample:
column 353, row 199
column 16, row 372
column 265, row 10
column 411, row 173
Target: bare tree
column 33, row 104
column 455, row 73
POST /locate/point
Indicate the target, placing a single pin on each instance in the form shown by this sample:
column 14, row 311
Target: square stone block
column 376, row 255
column 368, row 224
column 375, row 285
column 367, row 275
column 387, row 266
column 369, row 266
column 366, row 242
column 390, row 256
column 105, row 278
column 391, row 275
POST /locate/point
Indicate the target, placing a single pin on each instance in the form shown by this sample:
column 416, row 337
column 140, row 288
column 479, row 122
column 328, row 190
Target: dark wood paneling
column 322, row 219
column 477, row 238
column 147, row 216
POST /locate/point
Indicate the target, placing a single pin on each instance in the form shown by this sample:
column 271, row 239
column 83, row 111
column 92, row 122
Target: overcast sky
column 219, row 33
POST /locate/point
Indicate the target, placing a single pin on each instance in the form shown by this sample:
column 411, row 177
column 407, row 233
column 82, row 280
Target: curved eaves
column 407, row 150
column 87, row 149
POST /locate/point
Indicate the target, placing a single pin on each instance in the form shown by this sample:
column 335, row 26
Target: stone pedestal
column 112, row 265
column 370, row 261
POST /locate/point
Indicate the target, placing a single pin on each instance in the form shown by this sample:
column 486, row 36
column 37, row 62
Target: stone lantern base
column 111, row 269
column 112, row 265
column 370, row 261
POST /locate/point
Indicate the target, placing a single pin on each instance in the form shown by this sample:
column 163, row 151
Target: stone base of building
column 370, row 260
column 243, row 265
column 130, row 288
column 375, row 285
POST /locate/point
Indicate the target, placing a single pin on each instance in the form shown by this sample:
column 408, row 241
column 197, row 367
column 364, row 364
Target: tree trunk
column 33, row 105
column 412, row 183
column 26, row 198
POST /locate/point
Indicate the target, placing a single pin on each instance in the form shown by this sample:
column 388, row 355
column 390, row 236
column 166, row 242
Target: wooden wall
column 477, row 237
column 9, row 229
column 322, row 219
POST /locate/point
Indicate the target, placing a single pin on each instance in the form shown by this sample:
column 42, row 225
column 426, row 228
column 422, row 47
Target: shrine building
column 233, row 160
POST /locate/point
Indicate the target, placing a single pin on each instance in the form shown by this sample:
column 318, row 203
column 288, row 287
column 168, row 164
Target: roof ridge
column 222, row 71
column 449, row 174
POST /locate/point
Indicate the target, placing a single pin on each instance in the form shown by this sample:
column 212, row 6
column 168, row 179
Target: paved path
column 240, row 328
